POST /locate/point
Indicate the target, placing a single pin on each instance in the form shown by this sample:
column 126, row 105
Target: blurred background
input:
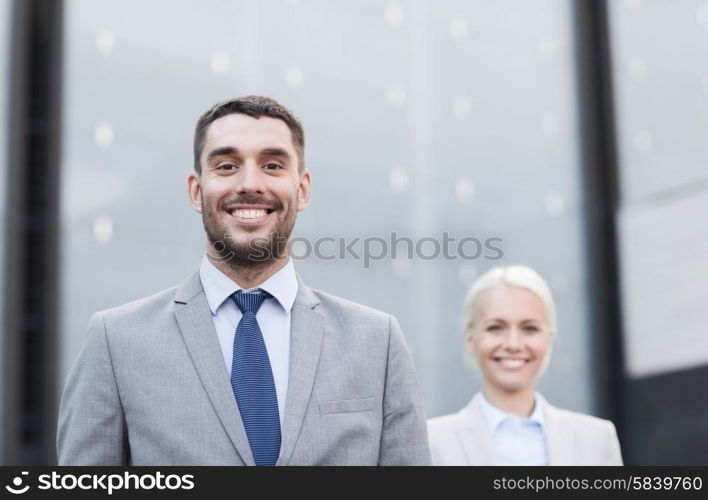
column 574, row 130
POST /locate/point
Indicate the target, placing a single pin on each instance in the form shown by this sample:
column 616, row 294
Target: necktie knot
column 250, row 302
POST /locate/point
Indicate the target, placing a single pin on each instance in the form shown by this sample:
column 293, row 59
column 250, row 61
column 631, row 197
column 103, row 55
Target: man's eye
column 272, row 166
column 493, row 328
column 531, row 329
column 226, row 166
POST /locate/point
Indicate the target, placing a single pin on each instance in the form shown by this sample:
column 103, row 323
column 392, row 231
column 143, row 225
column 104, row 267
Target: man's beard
column 251, row 253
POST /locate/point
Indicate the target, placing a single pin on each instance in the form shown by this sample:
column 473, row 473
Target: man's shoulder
column 348, row 309
column 145, row 307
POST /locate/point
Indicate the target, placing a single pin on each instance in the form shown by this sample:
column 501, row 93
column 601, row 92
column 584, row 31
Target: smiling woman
column 510, row 326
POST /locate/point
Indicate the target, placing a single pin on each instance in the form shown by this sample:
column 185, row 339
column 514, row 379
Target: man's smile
column 250, row 214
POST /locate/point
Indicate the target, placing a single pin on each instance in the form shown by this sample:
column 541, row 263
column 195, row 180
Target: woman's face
column 510, row 338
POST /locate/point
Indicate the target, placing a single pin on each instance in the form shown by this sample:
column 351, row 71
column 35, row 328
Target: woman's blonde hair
column 519, row 276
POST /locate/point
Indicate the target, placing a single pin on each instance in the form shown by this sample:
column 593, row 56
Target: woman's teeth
column 512, row 363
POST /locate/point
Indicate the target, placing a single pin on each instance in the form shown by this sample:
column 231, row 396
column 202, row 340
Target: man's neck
column 249, row 277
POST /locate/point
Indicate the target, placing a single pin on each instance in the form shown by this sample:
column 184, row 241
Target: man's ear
column 303, row 193
column 194, row 191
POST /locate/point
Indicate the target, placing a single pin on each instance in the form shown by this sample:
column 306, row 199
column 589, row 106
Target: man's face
column 249, row 190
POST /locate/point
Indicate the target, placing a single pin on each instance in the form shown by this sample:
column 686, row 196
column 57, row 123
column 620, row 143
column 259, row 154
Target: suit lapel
column 197, row 327
column 557, row 440
column 306, row 331
column 474, row 435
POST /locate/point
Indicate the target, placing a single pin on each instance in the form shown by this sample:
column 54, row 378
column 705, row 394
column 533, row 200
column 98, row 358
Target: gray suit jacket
column 150, row 387
column 572, row 438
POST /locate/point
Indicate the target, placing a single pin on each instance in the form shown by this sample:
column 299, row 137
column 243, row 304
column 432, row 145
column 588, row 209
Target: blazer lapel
column 197, row 327
column 306, row 331
column 558, row 442
column 474, row 434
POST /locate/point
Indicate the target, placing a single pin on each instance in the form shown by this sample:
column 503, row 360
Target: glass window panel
column 661, row 96
column 421, row 118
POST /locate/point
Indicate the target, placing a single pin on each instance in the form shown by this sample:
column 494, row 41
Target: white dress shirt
column 273, row 318
column 517, row 440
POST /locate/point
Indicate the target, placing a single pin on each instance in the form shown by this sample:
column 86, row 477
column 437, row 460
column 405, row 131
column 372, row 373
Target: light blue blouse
column 517, row 440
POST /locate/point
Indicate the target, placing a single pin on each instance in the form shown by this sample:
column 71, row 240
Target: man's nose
column 250, row 179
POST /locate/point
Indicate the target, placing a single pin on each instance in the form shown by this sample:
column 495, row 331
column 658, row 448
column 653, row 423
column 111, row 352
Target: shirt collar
column 218, row 287
column 494, row 416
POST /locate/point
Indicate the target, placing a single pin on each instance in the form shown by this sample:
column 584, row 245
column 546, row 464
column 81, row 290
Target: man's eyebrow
column 223, row 151
column 275, row 152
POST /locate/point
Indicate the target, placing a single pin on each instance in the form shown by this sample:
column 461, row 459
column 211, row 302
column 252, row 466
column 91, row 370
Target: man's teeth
column 249, row 214
column 512, row 363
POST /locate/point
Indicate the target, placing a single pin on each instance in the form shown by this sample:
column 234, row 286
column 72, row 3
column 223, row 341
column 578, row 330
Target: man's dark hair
column 254, row 106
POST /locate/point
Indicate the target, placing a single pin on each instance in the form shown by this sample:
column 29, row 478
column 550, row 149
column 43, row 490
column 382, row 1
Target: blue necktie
column 252, row 382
